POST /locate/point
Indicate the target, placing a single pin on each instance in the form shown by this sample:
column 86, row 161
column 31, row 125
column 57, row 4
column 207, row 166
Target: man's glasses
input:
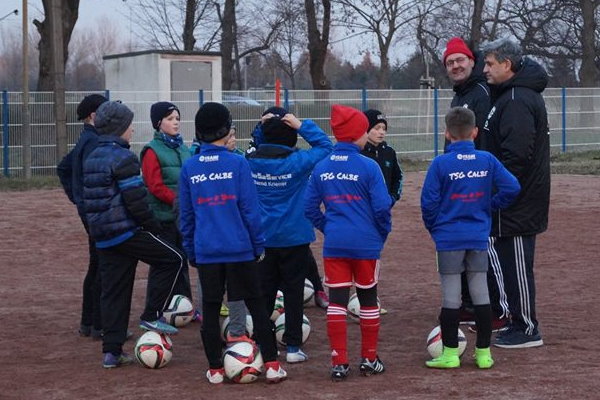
column 458, row 61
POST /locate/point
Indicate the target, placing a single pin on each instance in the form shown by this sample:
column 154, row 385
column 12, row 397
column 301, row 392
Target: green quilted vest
column 170, row 161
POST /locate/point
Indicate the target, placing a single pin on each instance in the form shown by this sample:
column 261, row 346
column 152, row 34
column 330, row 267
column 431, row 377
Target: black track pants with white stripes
column 511, row 259
column 117, row 270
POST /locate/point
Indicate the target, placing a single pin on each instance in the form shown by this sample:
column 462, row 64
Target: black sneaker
column 340, row 372
column 368, row 368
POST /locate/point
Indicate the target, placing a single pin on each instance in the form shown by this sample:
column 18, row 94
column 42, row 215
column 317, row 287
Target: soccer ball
column 278, row 309
column 227, row 321
column 435, row 345
column 180, row 311
column 280, row 328
column 309, row 291
column 242, row 362
column 154, row 350
column 354, row 306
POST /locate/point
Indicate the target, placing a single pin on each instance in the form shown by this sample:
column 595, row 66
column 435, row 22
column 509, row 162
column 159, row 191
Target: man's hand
column 291, row 121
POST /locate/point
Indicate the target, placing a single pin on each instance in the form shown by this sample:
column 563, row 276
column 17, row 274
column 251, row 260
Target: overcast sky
column 91, row 11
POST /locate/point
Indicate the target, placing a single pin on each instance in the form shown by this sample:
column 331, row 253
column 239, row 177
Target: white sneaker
column 215, row 376
column 275, row 373
column 296, row 357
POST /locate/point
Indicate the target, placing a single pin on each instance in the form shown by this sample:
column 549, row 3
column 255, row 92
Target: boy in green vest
column 162, row 159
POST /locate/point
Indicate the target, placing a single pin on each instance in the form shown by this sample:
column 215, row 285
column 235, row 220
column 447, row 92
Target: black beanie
column 213, row 121
column 89, row 104
column 375, row 117
column 113, row 118
column 275, row 131
column 160, row 110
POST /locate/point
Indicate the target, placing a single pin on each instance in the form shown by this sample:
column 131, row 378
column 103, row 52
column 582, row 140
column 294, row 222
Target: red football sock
column 369, row 329
column 336, row 330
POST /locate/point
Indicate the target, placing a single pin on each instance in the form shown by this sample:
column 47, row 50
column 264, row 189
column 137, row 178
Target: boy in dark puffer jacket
column 125, row 231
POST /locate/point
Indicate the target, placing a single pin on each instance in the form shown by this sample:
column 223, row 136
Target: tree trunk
column 318, row 43
column 588, row 74
column 70, row 12
column 476, row 22
column 188, row 28
column 227, row 41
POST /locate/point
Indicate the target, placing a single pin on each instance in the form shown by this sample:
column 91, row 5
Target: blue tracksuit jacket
column 281, row 175
column 219, row 212
column 461, row 189
column 357, row 215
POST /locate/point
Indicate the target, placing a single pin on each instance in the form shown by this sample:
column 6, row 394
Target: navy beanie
column 113, row 118
column 213, row 121
column 160, row 110
column 89, row 104
column 276, row 131
column 375, row 117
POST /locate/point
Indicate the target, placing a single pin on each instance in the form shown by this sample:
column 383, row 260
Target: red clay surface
column 43, row 261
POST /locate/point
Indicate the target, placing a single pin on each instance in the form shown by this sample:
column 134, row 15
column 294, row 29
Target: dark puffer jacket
column 516, row 132
column 386, row 157
column 114, row 193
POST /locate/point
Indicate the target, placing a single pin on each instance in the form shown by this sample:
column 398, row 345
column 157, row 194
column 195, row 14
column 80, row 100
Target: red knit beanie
column 347, row 123
column 457, row 45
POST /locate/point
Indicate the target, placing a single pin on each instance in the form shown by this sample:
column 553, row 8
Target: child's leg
column 270, row 279
column 212, row 278
column 477, row 266
column 312, row 273
column 369, row 321
column 293, row 273
column 117, row 276
column 336, row 324
column 237, row 318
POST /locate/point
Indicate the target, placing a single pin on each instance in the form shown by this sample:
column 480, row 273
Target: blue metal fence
column 415, row 118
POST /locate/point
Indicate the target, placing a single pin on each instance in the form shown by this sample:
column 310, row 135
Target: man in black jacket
column 516, row 132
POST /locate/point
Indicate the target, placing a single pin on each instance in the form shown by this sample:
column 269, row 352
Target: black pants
column 90, row 307
column 312, row 273
column 171, row 234
column 243, row 283
column 285, row 268
column 117, row 269
column 512, row 258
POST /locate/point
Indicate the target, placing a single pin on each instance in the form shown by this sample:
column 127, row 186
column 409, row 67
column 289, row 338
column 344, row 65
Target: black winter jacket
column 474, row 94
column 70, row 169
column 386, row 157
column 516, row 132
column 114, row 193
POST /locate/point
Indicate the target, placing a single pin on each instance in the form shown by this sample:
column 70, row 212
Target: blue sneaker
column 112, row 361
column 159, row 326
column 517, row 339
column 295, row 355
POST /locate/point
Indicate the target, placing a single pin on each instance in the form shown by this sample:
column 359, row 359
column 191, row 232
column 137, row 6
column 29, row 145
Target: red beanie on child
column 457, row 45
column 347, row 123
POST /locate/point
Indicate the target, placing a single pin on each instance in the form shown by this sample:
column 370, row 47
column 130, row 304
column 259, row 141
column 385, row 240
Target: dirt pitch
column 42, row 258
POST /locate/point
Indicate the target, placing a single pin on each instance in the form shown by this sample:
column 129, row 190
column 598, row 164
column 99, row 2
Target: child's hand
column 291, row 121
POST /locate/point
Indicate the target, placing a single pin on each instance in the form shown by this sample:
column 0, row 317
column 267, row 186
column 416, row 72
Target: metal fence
column 415, row 118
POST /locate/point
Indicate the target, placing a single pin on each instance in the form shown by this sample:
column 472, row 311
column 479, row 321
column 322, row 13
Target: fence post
column 286, row 99
column 201, row 97
column 364, row 99
column 107, row 94
column 5, row 114
column 564, row 120
column 435, row 122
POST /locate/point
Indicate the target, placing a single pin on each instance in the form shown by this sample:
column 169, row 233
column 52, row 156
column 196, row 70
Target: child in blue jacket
column 356, row 223
column 223, row 237
column 461, row 189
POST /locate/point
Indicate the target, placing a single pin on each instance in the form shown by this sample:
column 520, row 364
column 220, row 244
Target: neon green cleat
column 224, row 310
column 448, row 359
column 483, row 358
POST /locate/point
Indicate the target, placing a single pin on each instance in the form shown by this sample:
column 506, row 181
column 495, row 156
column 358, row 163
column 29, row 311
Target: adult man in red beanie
column 356, row 223
column 465, row 70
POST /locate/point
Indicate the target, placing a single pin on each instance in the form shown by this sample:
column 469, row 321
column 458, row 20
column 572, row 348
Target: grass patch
column 22, row 184
column 576, row 163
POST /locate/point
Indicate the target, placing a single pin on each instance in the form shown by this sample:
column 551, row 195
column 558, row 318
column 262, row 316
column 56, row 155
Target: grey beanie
column 113, row 118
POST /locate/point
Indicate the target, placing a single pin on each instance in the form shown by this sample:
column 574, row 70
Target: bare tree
column 382, row 18
column 318, row 42
column 476, row 22
column 175, row 24
column 11, row 60
column 70, row 10
column 590, row 48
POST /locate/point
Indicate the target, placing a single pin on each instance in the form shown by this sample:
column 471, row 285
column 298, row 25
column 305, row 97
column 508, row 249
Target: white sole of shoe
column 534, row 343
